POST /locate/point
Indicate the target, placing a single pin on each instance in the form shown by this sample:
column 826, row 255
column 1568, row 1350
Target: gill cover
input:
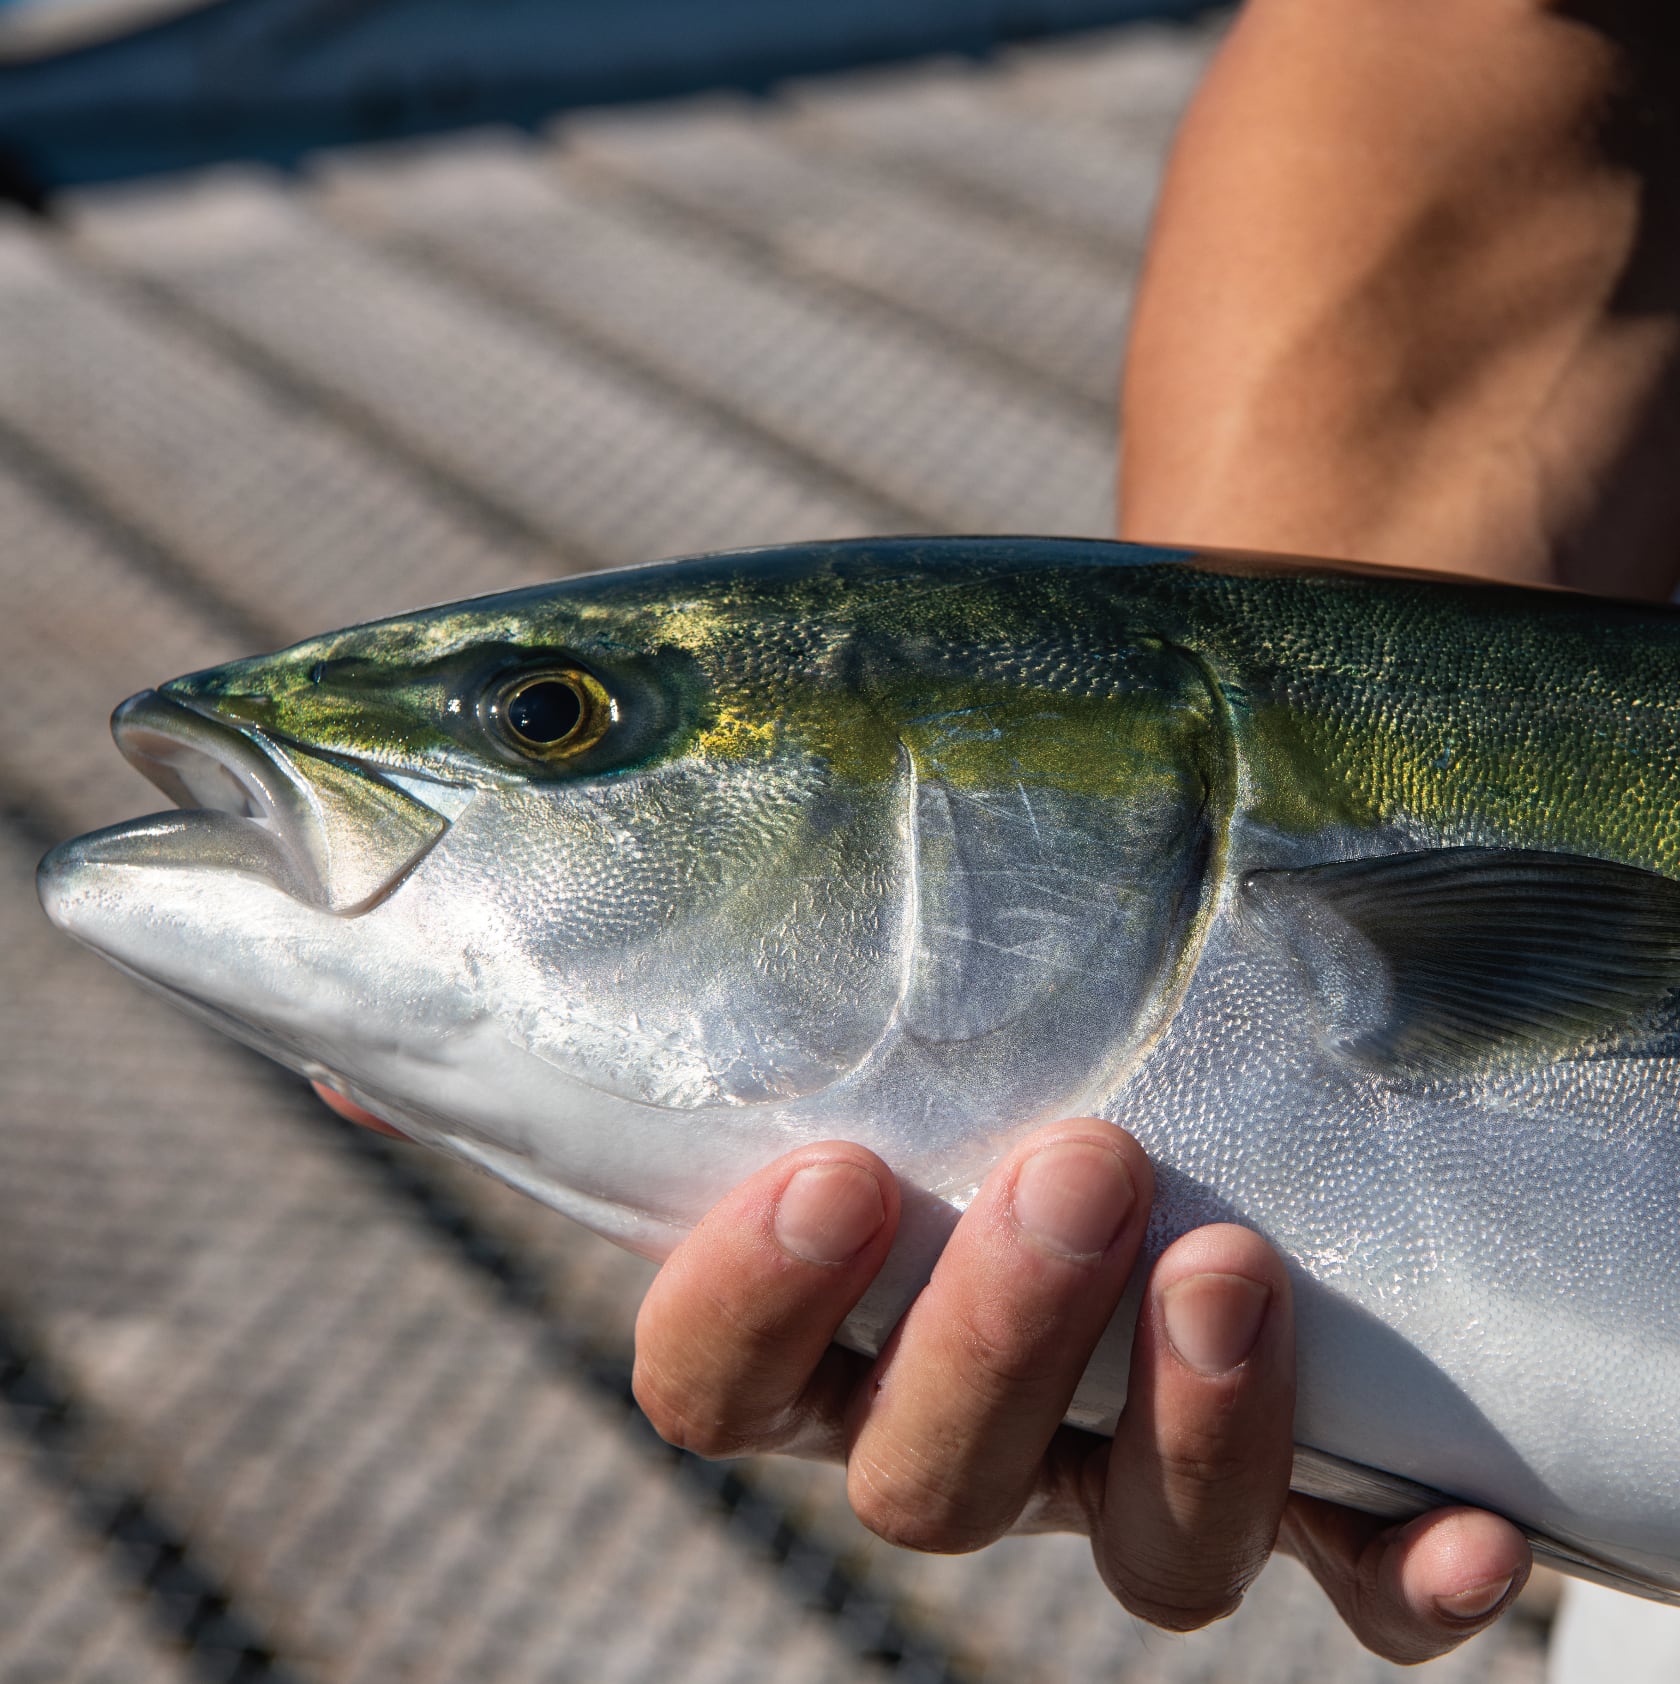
column 1066, row 845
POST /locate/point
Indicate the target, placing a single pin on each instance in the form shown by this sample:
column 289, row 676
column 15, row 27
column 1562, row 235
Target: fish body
column 1354, row 895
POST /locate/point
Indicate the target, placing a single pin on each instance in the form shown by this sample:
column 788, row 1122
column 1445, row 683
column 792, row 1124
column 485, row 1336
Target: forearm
column 1412, row 296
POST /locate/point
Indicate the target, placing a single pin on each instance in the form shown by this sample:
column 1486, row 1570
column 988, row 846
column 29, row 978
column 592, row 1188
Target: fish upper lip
column 332, row 834
column 197, row 758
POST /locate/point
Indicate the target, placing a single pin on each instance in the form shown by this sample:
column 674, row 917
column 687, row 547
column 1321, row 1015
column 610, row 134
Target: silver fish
column 1353, row 895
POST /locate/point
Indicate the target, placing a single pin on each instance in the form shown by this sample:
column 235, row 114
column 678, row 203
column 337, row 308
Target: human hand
column 953, row 1436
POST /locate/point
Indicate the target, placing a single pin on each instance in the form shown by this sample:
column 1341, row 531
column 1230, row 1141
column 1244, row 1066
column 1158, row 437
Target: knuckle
column 913, row 1513
column 1163, row 1594
column 1208, row 1460
column 750, row 1322
column 1171, row 1613
column 680, row 1415
column 1005, row 1354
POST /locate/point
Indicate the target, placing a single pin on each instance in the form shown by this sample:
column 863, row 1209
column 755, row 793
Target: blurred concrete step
column 957, row 131
column 275, row 507
column 69, row 1612
column 81, row 630
column 1137, row 79
column 899, row 412
column 957, row 267
column 608, row 463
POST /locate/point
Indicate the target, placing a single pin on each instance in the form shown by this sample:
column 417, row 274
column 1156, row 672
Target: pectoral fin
column 1429, row 962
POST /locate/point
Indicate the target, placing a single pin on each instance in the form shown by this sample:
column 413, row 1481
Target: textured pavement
column 286, row 1403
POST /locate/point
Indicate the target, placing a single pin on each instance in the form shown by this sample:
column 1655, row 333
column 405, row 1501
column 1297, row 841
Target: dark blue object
column 97, row 89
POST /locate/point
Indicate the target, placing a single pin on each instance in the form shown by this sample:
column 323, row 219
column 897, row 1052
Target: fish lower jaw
column 85, row 884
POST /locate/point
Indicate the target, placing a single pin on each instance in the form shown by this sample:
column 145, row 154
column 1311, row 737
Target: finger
column 1410, row 1592
column 732, row 1340
column 351, row 1112
column 1194, row 1486
column 948, row 1440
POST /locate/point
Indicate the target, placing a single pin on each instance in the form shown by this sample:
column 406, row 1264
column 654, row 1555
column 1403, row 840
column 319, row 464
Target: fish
column 1353, row 893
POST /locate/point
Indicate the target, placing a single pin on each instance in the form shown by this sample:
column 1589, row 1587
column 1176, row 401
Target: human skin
column 1413, row 294
column 1410, row 299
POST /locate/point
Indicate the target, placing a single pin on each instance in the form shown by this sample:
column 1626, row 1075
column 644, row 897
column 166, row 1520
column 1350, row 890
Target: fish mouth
column 323, row 829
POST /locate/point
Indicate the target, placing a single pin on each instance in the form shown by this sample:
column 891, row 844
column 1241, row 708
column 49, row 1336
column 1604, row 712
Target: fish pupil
column 545, row 712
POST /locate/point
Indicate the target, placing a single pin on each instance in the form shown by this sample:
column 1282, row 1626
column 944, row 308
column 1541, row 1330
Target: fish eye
column 545, row 713
column 554, row 714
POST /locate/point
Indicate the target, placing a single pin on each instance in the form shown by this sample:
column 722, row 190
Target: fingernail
column 1073, row 1198
column 829, row 1212
column 1475, row 1604
column 1212, row 1321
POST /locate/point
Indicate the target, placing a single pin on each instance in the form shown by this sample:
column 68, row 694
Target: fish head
column 623, row 886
